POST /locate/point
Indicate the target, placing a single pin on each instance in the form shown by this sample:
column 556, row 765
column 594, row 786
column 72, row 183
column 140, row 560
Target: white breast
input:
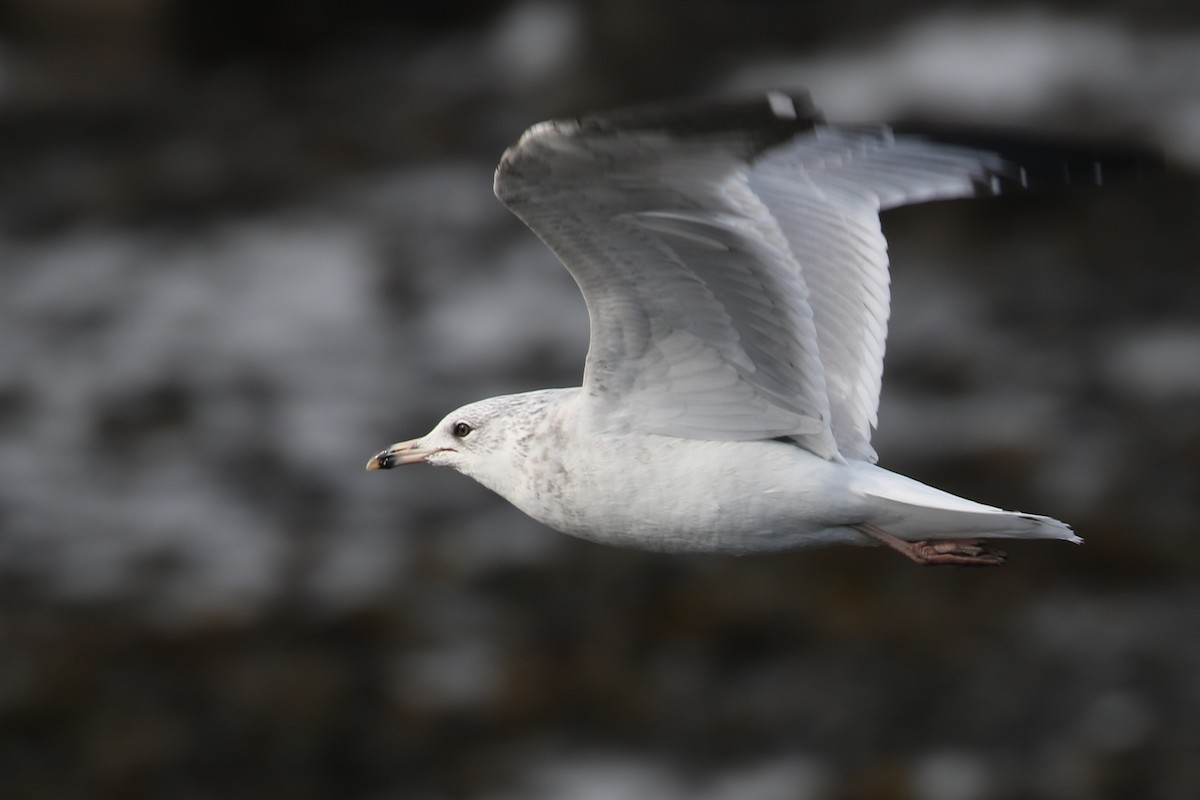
column 685, row 495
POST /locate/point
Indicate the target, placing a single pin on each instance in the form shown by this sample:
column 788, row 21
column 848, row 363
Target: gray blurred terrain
column 243, row 246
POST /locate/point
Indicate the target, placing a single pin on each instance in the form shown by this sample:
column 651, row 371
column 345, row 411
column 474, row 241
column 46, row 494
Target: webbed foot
column 963, row 552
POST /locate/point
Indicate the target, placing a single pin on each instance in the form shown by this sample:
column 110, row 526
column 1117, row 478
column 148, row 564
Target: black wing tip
column 775, row 115
column 1039, row 161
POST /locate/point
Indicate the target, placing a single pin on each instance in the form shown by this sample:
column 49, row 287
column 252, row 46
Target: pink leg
column 965, row 552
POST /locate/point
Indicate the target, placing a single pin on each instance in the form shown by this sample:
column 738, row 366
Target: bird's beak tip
column 384, row 460
column 397, row 455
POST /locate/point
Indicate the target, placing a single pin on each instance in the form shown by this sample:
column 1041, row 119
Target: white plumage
column 736, row 279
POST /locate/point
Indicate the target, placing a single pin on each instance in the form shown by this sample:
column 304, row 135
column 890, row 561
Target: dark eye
column 461, row 429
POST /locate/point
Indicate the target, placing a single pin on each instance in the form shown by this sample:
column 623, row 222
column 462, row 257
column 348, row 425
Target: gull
column 736, row 279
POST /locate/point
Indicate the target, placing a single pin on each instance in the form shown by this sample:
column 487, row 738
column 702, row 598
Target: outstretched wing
column 732, row 261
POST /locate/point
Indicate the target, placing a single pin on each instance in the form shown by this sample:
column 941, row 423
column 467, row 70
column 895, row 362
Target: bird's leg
column 964, row 552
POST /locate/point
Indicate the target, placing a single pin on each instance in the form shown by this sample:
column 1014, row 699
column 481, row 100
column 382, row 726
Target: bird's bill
column 399, row 454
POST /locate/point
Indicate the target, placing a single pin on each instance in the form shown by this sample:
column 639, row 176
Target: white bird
column 736, row 280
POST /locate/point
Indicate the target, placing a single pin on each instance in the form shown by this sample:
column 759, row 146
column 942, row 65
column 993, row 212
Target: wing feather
column 732, row 259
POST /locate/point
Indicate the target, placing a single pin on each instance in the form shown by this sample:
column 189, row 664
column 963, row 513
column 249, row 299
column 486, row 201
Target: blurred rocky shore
column 245, row 245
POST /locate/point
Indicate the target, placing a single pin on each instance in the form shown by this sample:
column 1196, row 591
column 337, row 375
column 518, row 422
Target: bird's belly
column 681, row 495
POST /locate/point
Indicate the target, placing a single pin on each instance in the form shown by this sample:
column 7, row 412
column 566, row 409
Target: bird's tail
column 913, row 511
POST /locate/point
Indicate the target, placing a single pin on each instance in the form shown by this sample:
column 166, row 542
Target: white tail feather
column 914, row 512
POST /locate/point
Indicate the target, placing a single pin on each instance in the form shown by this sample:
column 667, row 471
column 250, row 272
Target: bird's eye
column 461, row 429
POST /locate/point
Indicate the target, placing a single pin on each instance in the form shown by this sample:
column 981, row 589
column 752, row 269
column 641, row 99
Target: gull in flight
column 736, row 281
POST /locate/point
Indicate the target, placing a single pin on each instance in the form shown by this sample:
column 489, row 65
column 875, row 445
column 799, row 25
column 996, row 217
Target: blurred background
column 245, row 244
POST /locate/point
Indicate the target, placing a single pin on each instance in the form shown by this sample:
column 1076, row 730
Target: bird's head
column 481, row 440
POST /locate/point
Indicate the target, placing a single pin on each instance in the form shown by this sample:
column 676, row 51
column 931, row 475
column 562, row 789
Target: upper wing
column 700, row 322
column 732, row 261
column 825, row 191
